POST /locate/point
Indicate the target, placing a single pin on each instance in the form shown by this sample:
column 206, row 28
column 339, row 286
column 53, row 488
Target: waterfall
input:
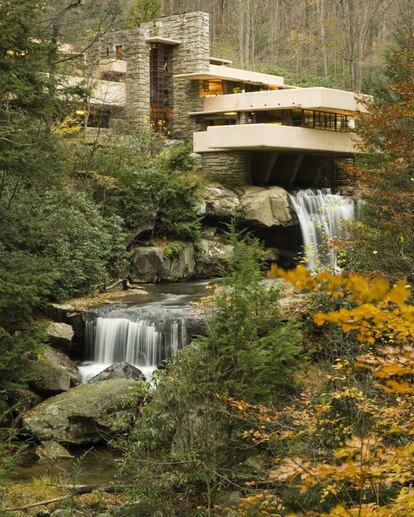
column 322, row 217
column 142, row 343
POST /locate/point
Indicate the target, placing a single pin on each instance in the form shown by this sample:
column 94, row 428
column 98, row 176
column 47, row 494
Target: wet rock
column 60, row 359
column 60, row 335
column 174, row 262
column 122, row 370
column 213, row 258
column 179, row 266
column 265, row 206
column 52, row 372
column 69, row 314
column 52, row 451
column 24, row 399
column 146, row 264
column 89, row 413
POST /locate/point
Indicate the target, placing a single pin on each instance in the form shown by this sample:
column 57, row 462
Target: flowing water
column 142, row 334
column 323, row 218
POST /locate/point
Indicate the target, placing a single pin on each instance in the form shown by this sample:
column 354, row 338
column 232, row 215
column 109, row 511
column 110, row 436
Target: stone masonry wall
column 136, row 53
column 191, row 55
column 232, row 169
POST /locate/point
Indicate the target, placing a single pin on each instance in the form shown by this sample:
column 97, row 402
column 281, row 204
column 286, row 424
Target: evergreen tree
column 385, row 234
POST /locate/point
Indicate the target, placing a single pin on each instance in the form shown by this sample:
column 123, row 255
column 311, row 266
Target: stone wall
column 190, row 55
column 229, row 168
column 192, row 30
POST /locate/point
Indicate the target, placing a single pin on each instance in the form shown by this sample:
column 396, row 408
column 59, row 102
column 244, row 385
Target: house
column 248, row 127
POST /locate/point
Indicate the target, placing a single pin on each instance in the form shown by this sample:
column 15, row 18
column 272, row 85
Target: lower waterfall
column 143, row 335
column 322, row 217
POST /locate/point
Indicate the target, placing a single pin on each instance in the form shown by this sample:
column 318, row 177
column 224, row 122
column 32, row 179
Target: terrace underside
column 298, row 169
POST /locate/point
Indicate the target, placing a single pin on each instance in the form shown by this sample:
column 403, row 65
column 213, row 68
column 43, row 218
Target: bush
column 184, row 448
column 79, row 244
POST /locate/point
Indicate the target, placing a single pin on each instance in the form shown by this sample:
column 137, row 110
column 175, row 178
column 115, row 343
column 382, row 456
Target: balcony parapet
column 266, row 137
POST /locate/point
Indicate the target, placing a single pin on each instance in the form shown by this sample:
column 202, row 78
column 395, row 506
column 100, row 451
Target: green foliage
column 150, row 187
column 173, row 250
column 144, row 11
column 184, row 448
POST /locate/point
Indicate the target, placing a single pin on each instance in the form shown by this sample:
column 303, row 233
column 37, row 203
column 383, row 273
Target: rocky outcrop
column 60, row 335
column 69, row 314
column 170, row 263
column 179, row 266
column 52, row 451
column 118, row 371
column 146, row 264
column 86, row 414
column 220, row 202
column 258, row 206
column 213, row 257
column 52, row 372
column 265, row 206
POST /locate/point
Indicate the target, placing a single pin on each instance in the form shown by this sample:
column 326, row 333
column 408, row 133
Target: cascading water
column 322, row 217
column 143, row 336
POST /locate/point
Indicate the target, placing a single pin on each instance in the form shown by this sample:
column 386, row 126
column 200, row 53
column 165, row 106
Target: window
column 119, row 51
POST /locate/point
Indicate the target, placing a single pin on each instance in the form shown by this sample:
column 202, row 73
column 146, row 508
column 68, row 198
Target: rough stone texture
column 118, row 371
column 149, row 264
column 232, row 169
column 46, row 378
column 181, row 267
column 265, row 206
column 52, row 451
column 213, row 257
column 67, row 313
column 146, row 264
column 220, row 202
column 60, row 335
column 24, row 399
column 191, row 55
column 61, row 360
column 88, row 413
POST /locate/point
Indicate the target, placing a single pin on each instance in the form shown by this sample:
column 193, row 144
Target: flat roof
column 225, row 73
column 220, row 61
column 164, row 41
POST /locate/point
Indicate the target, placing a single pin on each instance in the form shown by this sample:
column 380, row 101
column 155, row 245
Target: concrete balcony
column 274, row 137
column 335, row 101
column 226, row 73
column 118, row 66
column 104, row 93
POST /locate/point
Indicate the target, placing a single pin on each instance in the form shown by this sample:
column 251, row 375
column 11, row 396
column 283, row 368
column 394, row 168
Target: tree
column 183, row 450
column 384, row 236
column 353, row 444
column 144, row 11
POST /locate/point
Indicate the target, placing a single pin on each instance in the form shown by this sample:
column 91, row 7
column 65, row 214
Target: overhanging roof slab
column 272, row 137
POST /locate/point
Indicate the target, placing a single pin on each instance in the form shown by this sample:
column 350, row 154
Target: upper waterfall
column 322, row 217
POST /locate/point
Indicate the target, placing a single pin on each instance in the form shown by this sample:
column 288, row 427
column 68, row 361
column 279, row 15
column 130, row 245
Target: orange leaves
column 378, row 311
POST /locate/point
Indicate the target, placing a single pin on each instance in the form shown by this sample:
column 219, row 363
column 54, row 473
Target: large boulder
column 122, row 370
column 146, row 264
column 86, row 414
column 51, row 372
column 172, row 262
column 265, row 206
column 69, row 314
column 220, row 202
column 52, row 451
column 60, row 335
column 179, row 265
column 213, row 257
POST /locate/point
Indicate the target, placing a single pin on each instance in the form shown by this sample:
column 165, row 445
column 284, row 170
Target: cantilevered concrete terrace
column 273, row 137
column 336, row 101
